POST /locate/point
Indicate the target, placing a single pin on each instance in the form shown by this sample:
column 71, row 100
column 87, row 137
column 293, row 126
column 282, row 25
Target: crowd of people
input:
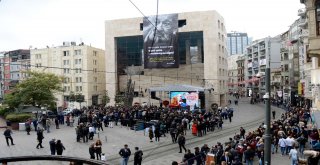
column 290, row 132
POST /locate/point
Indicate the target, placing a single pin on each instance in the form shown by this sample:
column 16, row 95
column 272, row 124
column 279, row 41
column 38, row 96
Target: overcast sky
column 39, row 23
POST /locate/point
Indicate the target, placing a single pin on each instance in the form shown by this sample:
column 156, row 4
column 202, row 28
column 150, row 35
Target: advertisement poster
column 160, row 41
column 184, row 99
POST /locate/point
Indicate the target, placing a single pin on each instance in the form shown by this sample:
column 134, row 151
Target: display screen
column 184, row 99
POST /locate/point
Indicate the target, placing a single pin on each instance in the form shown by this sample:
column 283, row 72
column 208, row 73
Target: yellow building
column 83, row 69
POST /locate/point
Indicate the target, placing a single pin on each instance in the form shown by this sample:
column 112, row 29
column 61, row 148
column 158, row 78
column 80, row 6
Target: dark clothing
column 182, row 142
column 137, row 157
column 91, row 152
column 7, row 134
column 39, row 138
column 125, row 152
column 52, row 144
column 189, row 158
column 59, row 148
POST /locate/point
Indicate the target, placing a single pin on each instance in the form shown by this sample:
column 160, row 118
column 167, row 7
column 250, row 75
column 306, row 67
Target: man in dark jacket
column 125, row 154
column 182, row 142
column 52, row 144
column 39, row 137
column 7, row 134
column 137, row 156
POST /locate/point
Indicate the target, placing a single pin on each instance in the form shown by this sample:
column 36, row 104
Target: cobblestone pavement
column 113, row 140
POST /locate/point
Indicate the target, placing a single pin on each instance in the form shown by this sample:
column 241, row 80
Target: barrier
column 74, row 160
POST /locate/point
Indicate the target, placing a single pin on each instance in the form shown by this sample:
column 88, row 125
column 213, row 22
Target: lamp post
column 267, row 136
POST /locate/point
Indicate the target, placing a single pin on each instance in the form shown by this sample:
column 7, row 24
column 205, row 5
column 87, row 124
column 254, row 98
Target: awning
column 180, row 88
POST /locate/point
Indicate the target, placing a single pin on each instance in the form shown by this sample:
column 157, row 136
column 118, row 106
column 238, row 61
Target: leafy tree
column 37, row 90
column 105, row 98
column 12, row 100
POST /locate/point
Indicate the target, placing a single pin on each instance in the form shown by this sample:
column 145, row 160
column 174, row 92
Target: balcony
column 302, row 12
column 304, row 33
column 303, row 23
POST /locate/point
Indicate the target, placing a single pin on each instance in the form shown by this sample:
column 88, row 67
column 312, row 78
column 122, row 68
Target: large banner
column 160, row 41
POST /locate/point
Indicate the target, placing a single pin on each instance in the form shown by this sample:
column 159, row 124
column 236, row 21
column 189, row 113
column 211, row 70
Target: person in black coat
column 92, row 151
column 40, row 137
column 182, row 142
column 137, row 156
column 59, row 147
column 52, row 144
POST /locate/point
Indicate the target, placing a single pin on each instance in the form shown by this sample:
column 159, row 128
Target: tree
column 38, row 90
column 105, row 98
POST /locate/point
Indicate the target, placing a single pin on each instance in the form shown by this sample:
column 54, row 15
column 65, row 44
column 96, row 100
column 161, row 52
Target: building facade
column 258, row 56
column 206, row 43
column 310, row 23
column 81, row 66
column 14, row 64
column 237, row 43
column 242, row 68
column 233, row 73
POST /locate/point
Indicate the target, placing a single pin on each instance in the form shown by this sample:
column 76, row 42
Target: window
column 77, row 52
column 95, row 53
column 77, row 61
column 222, row 49
column 66, row 53
column 218, row 24
column 95, row 88
column 65, row 62
column 66, row 70
column 78, row 88
column 222, row 26
column 78, row 79
column 182, row 23
column 94, row 62
column 38, row 65
column 78, row 70
column 38, row 56
column 219, row 35
column 219, row 47
column 95, row 79
column 66, row 80
column 219, row 60
column 222, row 38
column 95, row 70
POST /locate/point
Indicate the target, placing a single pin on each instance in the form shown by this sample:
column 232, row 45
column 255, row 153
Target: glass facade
column 237, row 43
column 130, row 49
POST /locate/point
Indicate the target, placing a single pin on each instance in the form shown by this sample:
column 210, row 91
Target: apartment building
column 81, row 66
column 259, row 55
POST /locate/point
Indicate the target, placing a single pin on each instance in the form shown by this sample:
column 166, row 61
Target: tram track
column 167, row 148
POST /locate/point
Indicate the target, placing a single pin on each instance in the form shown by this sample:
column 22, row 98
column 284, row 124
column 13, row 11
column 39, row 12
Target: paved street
column 156, row 153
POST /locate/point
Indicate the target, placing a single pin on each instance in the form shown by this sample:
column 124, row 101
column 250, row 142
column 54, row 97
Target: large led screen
column 160, row 41
column 184, row 99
